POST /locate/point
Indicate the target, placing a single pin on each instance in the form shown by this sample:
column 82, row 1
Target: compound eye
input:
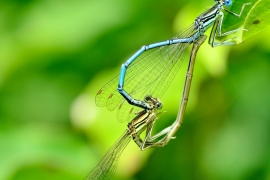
column 159, row 105
column 227, row 2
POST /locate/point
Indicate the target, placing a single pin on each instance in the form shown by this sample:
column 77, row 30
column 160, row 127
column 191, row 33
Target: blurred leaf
column 54, row 149
column 257, row 18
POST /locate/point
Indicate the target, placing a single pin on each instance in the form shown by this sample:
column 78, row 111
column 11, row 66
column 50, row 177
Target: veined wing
column 151, row 73
column 107, row 166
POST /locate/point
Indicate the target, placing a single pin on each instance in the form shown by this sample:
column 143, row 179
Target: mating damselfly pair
column 150, row 73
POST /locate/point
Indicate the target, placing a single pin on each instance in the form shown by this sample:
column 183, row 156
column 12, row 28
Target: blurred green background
column 55, row 56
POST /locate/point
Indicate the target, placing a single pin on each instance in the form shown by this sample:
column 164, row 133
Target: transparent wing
column 107, row 166
column 126, row 112
column 151, row 73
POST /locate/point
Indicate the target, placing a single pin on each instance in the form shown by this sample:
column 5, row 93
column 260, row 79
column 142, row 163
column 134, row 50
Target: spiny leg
column 148, row 141
column 217, row 28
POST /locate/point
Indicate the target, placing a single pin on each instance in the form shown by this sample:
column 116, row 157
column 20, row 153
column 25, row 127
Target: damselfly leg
column 217, row 28
column 144, row 121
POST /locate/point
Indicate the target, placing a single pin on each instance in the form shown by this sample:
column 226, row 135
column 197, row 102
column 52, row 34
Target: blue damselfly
column 152, row 68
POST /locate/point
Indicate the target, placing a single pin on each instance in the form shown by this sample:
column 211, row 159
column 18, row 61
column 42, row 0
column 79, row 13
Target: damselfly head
column 224, row 2
column 154, row 102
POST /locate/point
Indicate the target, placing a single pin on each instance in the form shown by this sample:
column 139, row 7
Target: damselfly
column 144, row 120
column 152, row 68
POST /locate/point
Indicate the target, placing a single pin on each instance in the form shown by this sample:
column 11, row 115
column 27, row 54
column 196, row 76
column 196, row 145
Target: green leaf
column 257, row 18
